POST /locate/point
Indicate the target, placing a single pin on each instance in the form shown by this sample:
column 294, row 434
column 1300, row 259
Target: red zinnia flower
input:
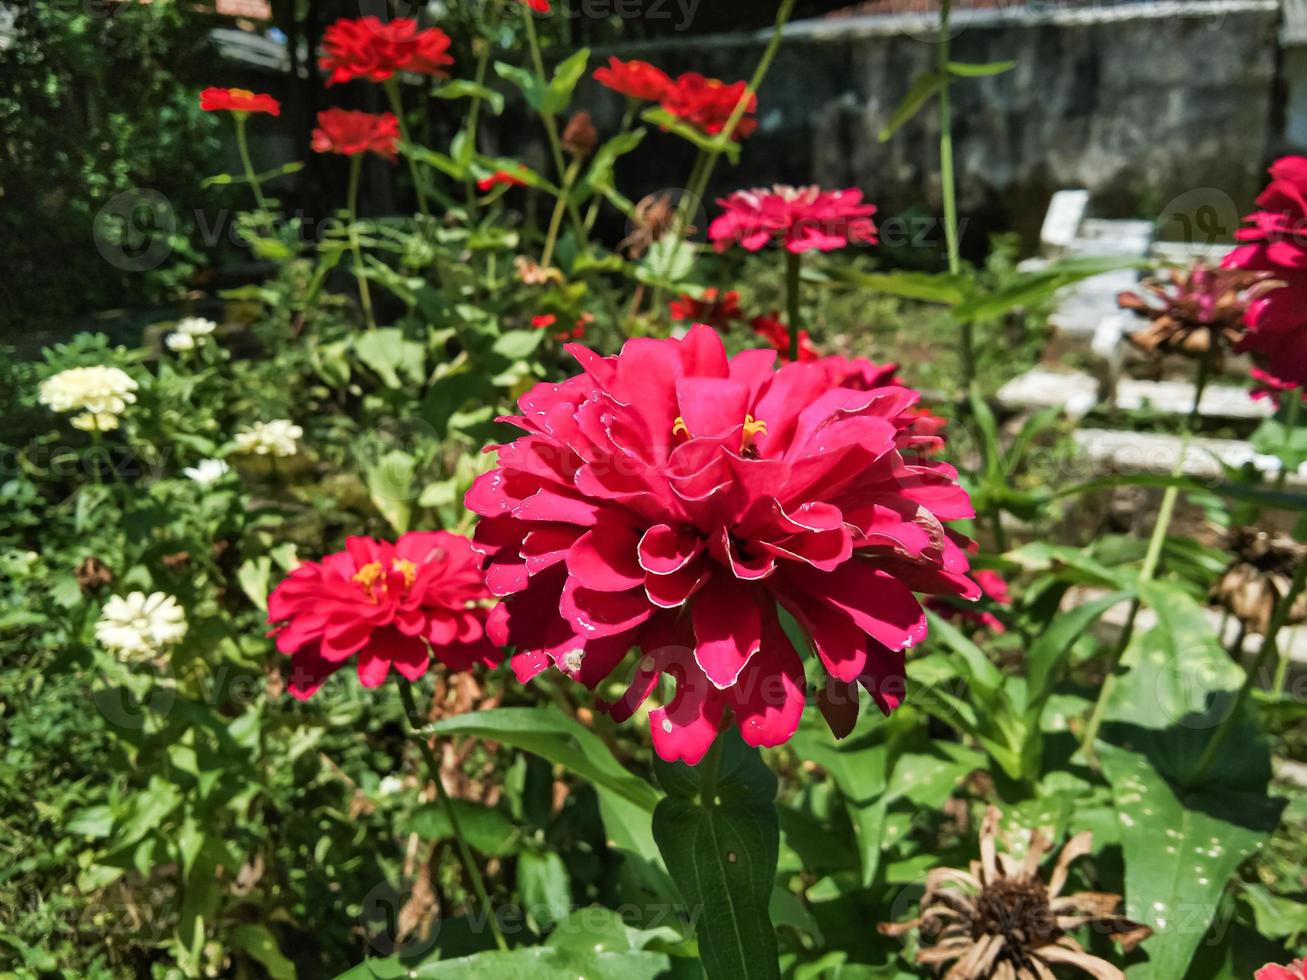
column 634, row 79
column 539, row 6
column 717, row 313
column 238, row 100
column 1294, row 971
column 374, row 49
column 771, row 329
column 1277, row 243
column 708, row 103
column 497, row 178
column 803, row 218
column 350, row 133
column 393, row 604
column 669, row 498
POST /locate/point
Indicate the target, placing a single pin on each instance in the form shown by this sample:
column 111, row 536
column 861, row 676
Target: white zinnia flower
column 275, row 438
column 180, row 342
column 138, row 626
column 207, row 471
column 100, row 393
column 195, row 326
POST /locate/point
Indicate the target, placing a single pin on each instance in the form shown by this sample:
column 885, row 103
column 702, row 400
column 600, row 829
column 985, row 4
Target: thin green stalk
column 551, row 127
column 948, row 188
column 397, row 107
column 628, row 120
column 355, row 167
column 556, row 220
column 710, row 768
column 465, row 853
column 1290, row 424
column 793, row 277
column 243, row 147
column 1269, row 651
column 1204, row 376
column 474, row 111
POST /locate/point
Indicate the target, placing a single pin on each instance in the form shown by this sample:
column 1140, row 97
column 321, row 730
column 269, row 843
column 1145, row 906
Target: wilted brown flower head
column 534, row 274
column 1000, row 920
column 580, row 136
column 653, row 217
column 1259, row 576
column 1193, row 312
column 92, row 574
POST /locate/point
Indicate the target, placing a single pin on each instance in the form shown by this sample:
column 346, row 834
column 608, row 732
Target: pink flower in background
column 368, row 47
column 861, row 374
column 1276, row 243
column 995, row 588
column 1294, row 971
column 670, row 498
column 801, row 218
column 395, row 605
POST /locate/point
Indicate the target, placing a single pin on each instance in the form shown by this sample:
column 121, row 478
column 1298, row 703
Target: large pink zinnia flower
column 1294, row 971
column 393, row 604
column 670, row 498
column 1277, row 243
column 803, row 218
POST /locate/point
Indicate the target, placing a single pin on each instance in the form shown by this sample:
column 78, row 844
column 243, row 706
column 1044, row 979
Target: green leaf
column 259, row 942
column 255, row 577
column 1045, row 657
column 546, row 886
column 1030, row 287
column 981, row 671
column 1274, row 438
column 391, row 486
column 526, row 81
column 668, row 123
column 447, row 165
column 518, row 345
column 533, row 963
column 464, row 88
column 923, row 88
column 1161, row 718
column 722, row 855
column 389, row 353
column 487, row 829
column 929, row 287
column 964, row 70
column 566, row 75
column 626, row 801
column 599, row 178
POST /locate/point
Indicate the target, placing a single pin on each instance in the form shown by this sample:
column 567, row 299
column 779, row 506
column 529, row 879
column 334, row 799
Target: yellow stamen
column 752, row 429
column 240, row 93
column 368, row 575
column 407, row 569
column 679, row 428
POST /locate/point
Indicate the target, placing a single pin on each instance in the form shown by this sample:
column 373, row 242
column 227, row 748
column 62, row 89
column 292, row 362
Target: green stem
column 474, row 112
column 415, row 722
column 710, row 768
column 243, row 147
column 793, row 274
column 397, row 107
column 948, row 188
column 1200, row 385
column 556, row 220
column 355, row 167
column 628, row 120
column 1290, row 424
column 551, row 127
column 1268, row 652
column 1152, row 559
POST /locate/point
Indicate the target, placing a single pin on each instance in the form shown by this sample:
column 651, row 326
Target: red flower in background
column 238, row 100
column 374, row 49
column 717, row 313
column 1277, row 243
column 771, row 329
column 347, row 132
column 994, row 587
column 802, row 218
column 634, row 79
column 707, row 104
column 539, row 6
column 395, row 605
column 1294, row 971
column 669, row 498
column 499, row 177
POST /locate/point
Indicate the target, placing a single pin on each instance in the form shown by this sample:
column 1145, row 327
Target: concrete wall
column 1140, row 103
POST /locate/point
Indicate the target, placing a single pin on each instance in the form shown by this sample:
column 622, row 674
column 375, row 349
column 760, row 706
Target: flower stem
column 1268, row 652
column 710, row 768
column 1290, row 424
column 556, row 220
column 355, row 167
column 474, row 111
column 397, row 107
column 243, row 147
column 793, row 274
column 948, row 188
column 465, row 853
column 551, row 127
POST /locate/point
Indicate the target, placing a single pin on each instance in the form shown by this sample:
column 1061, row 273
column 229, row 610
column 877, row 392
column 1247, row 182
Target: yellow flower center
column 407, row 569
column 372, row 576
column 752, row 429
column 240, row 93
